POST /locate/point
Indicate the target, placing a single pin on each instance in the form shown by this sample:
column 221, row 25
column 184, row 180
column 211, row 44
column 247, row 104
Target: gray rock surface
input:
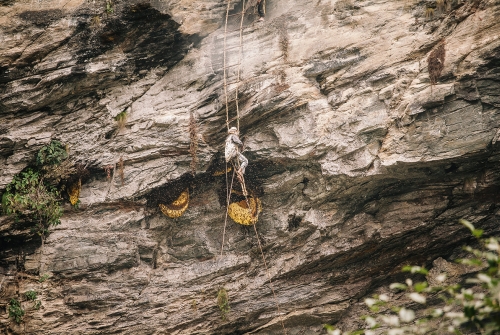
column 361, row 165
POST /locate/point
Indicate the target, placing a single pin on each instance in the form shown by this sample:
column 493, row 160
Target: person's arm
column 236, row 140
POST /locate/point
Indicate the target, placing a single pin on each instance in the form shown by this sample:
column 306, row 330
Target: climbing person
column 260, row 8
column 233, row 143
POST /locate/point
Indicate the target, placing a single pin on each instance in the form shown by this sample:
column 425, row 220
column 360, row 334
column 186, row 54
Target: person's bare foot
column 261, row 19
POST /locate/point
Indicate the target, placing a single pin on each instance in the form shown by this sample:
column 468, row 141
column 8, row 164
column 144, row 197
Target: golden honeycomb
column 240, row 213
column 178, row 207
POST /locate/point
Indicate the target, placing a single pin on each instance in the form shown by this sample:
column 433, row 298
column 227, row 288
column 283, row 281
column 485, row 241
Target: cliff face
column 360, row 163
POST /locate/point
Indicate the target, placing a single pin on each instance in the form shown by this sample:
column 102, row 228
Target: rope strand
column 239, row 66
column 242, row 178
column 228, row 192
column 244, row 189
column 225, row 74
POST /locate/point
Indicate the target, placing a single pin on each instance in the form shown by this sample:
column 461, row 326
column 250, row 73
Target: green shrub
column 223, row 302
column 28, row 198
column 31, row 295
column 15, row 310
column 475, row 308
column 51, row 154
column 109, row 7
column 121, row 119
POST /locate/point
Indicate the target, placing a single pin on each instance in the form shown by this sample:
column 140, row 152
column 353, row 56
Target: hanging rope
column 239, row 67
column 242, row 179
column 228, row 197
column 225, row 68
column 238, row 64
column 245, row 193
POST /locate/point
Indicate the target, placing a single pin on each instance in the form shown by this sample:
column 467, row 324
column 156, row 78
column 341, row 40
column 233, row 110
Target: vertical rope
column 239, row 66
column 270, row 281
column 228, row 193
column 268, row 274
column 228, row 190
column 225, row 74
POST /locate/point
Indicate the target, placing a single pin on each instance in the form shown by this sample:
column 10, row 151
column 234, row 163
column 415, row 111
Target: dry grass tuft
column 435, row 62
column 284, row 44
column 193, row 146
column 429, row 13
column 96, row 21
column 108, row 169
column 441, row 5
column 121, row 171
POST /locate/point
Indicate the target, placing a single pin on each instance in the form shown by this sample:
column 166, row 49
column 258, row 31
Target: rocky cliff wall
column 363, row 160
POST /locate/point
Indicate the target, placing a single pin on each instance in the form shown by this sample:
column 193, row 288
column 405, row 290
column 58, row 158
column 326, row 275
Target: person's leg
column 243, row 163
column 260, row 8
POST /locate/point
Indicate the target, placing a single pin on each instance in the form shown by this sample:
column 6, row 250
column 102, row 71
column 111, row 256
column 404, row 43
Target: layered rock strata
column 360, row 163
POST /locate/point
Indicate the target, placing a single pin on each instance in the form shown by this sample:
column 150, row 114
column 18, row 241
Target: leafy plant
column 43, row 278
column 51, row 154
column 121, row 119
column 31, row 295
column 28, row 198
column 476, row 308
column 109, row 7
column 15, row 310
column 77, row 204
column 37, row 305
column 223, row 302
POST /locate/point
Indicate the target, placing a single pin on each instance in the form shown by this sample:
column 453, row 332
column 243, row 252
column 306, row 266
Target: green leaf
column 467, row 224
column 469, row 311
column 477, row 233
column 470, row 261
column 328, row 327
column 415, row 269
column 419, row 287
column 398, row 286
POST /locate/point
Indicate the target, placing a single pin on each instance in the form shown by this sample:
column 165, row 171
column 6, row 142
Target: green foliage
column 51, row 154
column 32, row 195
column 28, row 198
column 31, row 295
column 223, row 302
column 476, row 308
column 77, row 205
column 15, row 310
column 37, row 305
column 121, row 119
column 43, row 278
column 415, row 269
column 109, row 7
column 476, row 232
